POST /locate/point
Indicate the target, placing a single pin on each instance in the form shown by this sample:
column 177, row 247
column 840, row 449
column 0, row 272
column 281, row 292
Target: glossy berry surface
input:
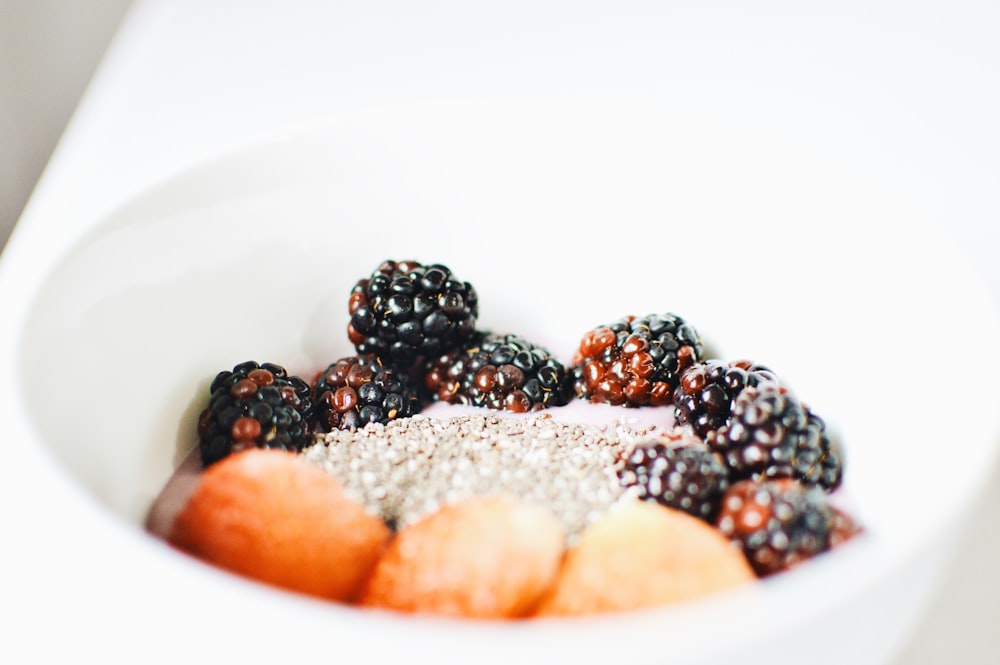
column 779, row 524
column 681, row 473
column 406, row 310
column 705, row 394
column 357, row 390
column 636, row 361
column 499, row 372
column 255, row 406
column 772, row 434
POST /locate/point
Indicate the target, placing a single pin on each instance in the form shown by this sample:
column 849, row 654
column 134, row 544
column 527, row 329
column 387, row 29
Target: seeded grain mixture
column 409, row 467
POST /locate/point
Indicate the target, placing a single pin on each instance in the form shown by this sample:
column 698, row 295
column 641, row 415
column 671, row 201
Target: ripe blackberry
column 780, row 524
column 772, row 434
column 358, row 390
column 679, row 472
column 405, row 310
column 255, row 405
column 500, row 372
column 635, row 361
column 704, row 397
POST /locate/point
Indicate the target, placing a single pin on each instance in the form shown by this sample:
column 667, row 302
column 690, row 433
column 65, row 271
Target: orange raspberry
column 479, row 558
column 274, row 517
column 643, row 554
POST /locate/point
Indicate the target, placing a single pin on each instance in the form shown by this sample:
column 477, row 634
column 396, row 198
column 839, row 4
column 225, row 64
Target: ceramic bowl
column 564, row 217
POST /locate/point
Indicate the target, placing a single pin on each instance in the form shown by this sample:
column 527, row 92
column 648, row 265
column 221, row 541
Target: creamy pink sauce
column 174, row 495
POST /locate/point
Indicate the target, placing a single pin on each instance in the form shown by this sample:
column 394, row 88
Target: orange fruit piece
column 485, row 557
column 274, row 517
column 642, row 554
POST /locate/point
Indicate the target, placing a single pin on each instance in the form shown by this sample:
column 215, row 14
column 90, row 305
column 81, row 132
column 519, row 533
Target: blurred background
column 48, row 51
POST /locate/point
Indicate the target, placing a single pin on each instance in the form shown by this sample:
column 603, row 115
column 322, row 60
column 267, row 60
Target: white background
column 905, row 94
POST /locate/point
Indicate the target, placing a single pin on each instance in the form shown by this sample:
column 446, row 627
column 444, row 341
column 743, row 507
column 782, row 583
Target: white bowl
column 563, row 217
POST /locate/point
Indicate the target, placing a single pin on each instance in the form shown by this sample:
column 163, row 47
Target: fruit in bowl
column 250, row 256
column 345, row 489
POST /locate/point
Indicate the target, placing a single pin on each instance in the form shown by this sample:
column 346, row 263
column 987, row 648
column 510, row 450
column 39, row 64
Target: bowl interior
column 563, row 217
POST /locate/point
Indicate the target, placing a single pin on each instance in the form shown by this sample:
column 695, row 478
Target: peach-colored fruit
column 642, row 554
column 274, row 517
column 485, row 558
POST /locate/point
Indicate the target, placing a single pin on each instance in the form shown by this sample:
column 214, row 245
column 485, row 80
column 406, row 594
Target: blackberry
column 780, row 524
column 255, row 405
column 772, row 434
column 680, row 472
column 635, row 361
column 357, row 390
column 500, row 372
column 405, row 310
column 704, row 397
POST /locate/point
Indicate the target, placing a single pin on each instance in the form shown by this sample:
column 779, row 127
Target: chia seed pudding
column 408, row 468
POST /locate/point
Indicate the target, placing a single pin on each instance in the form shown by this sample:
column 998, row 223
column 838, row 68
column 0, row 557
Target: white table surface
column 904, row 94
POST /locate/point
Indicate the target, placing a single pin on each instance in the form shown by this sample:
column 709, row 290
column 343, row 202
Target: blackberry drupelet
column 635, row 361
column 357, row 390
column 678, row 471
column 255, row 405
column 704, row 396
column 781, row 523
column 406, row 310
column 500, row 372
column 772, row 434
